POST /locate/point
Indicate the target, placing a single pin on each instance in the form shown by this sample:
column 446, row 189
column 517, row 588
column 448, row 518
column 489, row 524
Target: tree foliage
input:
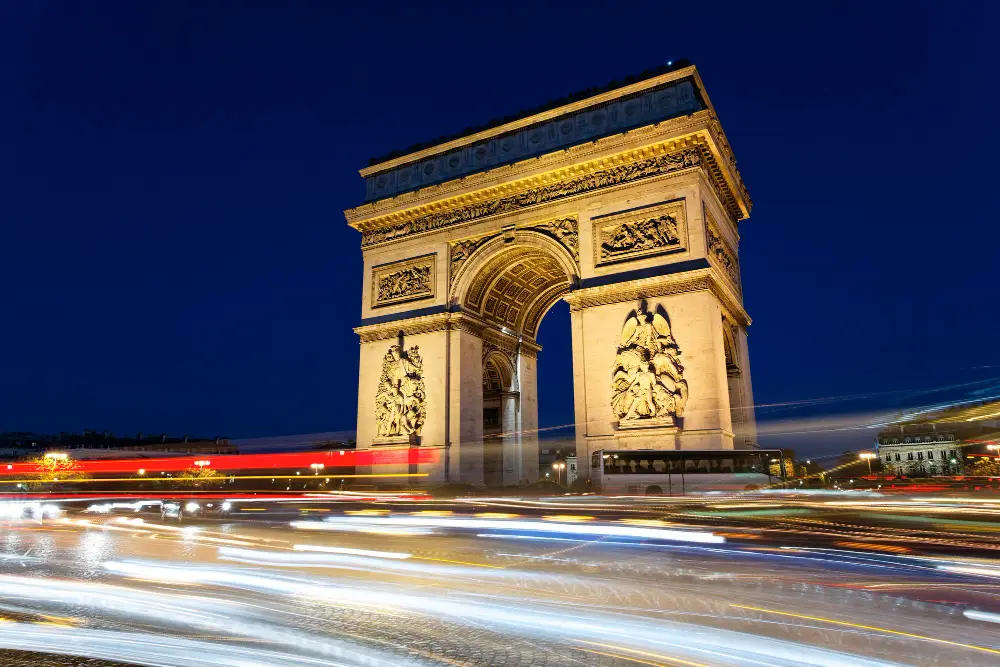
column 199, row 477
column 52, row 470
column 985, row 467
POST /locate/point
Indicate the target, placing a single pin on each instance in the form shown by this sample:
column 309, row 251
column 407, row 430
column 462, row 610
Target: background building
column 941, row 442
column 104, row 444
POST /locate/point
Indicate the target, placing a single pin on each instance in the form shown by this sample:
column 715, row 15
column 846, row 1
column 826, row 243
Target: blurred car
column 171, row 509
column 177, row 509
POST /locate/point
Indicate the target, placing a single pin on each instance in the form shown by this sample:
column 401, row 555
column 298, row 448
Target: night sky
column 173, row 176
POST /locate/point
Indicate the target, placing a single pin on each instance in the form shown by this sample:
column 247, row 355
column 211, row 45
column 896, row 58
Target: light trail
column 211, row 478
column 971, row 647
column 287, row 460
column 603, row 530
column 351, row 552
column 646, row 654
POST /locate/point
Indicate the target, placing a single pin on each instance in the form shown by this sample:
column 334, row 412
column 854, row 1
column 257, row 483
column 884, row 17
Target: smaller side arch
column 498, row 372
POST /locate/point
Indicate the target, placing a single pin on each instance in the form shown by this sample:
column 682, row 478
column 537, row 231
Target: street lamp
column 559, row 466
column 994, row 448
column 867, row 456
column 316, row 467
column 203, row 463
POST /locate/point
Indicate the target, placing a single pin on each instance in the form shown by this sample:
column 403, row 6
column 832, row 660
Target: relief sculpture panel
column 648, row 231
column 648, row 386
column 403, row 281
column 720, row 252
column 400, row 402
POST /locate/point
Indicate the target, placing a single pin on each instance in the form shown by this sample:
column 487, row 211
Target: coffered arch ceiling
column 515, row 288
column 497, row 374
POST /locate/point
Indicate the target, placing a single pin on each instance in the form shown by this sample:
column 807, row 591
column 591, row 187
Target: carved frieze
column 638, row 233
column 719, row 251
column 400, row 402
column 648, row 387
column 402, row 281
column 625, row 173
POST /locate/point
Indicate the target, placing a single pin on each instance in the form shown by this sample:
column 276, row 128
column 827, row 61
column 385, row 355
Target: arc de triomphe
column 624, row 203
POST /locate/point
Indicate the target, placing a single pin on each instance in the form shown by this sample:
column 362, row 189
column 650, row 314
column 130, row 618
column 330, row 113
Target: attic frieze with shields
column 666, row 101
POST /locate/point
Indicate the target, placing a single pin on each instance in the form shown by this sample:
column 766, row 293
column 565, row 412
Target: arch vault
column 625, row 204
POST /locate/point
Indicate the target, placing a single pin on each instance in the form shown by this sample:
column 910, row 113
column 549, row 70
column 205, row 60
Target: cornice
column 407, row 327
column 535, row 119
column 449, row 193
column 645, row 288
column 444, row 322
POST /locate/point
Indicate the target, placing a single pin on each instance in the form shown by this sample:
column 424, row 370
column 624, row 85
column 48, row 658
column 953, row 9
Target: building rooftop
column 525, row 113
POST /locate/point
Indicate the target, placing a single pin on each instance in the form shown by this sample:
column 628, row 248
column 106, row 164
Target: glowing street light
column 867, row 456
column 142, row 471
column 559, row 466
column 203, row 463
column 316, row 467
column 58, row 456
column 994, row 448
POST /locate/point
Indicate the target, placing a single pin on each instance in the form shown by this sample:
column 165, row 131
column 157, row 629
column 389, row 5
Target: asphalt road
column 573, row 581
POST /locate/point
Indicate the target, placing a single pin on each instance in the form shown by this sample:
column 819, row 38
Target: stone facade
column 636, row 230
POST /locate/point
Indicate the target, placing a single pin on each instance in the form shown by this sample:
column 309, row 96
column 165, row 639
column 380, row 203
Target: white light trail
column 351, row 552
column 588, row 530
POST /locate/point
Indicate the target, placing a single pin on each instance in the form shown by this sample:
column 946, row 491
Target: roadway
column 754, row 580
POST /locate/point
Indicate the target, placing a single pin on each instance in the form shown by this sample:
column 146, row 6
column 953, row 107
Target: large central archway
column 507, row 285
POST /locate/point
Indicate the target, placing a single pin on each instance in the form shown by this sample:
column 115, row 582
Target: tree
column 985, row 467
column 54, row 469
column 199, row 477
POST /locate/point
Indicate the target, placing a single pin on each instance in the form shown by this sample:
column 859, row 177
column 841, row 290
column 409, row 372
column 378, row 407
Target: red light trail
column 304, row 460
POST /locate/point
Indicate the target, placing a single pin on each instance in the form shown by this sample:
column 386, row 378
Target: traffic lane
column 618, row 568
column 918, row 526
column 738, row 558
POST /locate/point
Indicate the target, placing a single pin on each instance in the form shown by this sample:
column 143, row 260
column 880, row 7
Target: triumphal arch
column 625, row 203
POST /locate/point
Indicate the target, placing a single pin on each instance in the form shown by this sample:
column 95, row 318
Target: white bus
column 676, row 472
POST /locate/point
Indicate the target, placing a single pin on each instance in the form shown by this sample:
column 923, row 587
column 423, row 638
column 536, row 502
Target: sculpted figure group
column 406, row 282
column 400, row 406
column 648, row 378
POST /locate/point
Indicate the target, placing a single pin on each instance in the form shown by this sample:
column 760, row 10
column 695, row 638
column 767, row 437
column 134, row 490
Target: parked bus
column 676, row 472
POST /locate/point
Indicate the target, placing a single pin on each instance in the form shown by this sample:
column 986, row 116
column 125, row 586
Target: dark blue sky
column 173, row 175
